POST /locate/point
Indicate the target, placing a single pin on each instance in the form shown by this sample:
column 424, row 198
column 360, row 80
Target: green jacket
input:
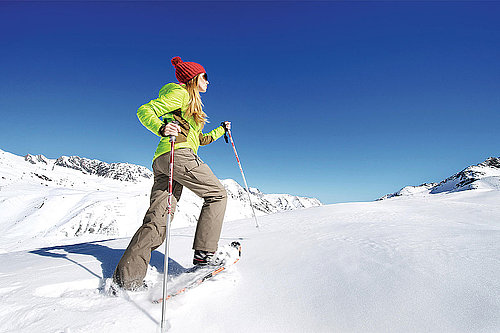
column 169, row 106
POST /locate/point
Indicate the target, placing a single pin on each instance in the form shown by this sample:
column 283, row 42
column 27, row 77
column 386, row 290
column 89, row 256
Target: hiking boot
column 203, row 258
column 116, row 288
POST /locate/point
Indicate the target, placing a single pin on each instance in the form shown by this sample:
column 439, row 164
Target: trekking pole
column 164, row 326
column 228, row 131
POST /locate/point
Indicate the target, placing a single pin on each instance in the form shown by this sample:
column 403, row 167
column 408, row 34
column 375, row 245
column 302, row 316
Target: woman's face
column 202, row 82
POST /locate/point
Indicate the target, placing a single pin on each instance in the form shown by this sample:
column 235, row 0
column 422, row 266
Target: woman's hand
column 170, row 129
column 227, row 125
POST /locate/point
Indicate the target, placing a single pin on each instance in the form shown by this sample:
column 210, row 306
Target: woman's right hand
column 170, row 129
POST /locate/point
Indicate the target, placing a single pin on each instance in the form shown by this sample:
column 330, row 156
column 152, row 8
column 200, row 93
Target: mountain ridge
column 484, row 175
column 76, row 196
column 119, row 171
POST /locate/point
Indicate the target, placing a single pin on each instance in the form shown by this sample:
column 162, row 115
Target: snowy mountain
column 118, row 171
column 485, row 175
column 75, row 196
column 423, row 263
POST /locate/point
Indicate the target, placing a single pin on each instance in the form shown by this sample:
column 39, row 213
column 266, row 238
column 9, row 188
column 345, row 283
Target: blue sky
column 343, row 101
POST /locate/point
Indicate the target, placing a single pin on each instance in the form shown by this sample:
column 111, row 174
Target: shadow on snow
column 107, row 256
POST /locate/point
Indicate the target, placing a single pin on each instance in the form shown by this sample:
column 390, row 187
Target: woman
column 182, row 103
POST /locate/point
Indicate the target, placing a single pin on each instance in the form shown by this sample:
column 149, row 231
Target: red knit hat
column 185, row 71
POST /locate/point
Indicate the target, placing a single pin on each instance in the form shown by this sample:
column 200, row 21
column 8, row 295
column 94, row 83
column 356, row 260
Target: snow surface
column 43, row 198
column 411, row 264
column 425, row 261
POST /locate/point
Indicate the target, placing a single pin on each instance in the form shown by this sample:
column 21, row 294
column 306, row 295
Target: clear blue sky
column 343, row 101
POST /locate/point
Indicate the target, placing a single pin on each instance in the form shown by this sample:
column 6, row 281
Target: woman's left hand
column 227, row 124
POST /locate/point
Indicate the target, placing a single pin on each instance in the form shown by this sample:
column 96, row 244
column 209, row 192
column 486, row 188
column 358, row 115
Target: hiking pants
column 190, row 171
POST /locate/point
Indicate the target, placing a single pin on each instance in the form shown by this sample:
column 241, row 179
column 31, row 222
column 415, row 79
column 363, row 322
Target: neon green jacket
column 171, row 105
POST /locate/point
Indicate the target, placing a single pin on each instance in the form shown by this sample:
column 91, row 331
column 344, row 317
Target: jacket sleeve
column 148, row 117
column 150, row 113
column 211, row 136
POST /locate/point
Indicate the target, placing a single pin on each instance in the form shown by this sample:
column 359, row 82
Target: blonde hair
column 195, row 105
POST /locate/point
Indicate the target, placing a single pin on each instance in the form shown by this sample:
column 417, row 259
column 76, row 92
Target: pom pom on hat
column 185, row 71
column 176, row 60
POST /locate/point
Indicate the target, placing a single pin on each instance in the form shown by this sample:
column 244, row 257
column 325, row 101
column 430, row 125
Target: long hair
column 195, row 105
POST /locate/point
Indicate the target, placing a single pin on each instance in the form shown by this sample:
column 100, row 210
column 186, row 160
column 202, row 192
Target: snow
column 43, row 198
column 485, row 175
column 418, row 262
column 407, row 265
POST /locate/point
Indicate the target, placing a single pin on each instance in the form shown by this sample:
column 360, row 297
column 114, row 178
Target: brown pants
column 189, row 171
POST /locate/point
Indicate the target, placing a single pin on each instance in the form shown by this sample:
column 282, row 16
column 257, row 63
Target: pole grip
column 223, row 124
column 172, row 137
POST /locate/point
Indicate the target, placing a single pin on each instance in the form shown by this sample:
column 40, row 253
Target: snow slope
column 43, row 199
column 415, row 264
column 485, row 175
